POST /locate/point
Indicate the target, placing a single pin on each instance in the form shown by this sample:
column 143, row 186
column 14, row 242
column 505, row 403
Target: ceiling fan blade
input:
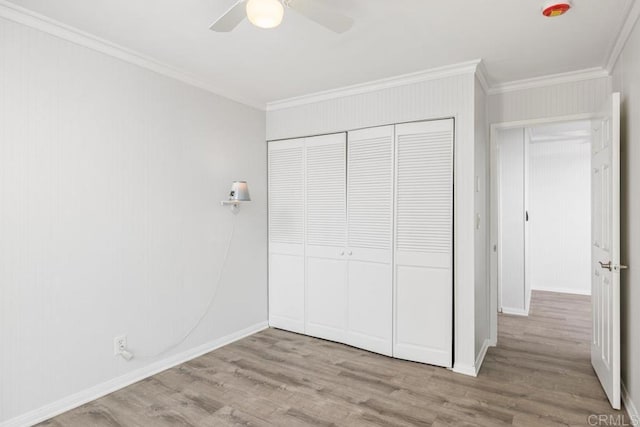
column 321, row 15
column 231, row 18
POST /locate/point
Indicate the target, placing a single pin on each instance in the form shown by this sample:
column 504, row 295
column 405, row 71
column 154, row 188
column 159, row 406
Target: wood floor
column 539, row 375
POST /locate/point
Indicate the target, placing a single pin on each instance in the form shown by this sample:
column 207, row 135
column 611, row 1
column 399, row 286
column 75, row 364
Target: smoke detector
column 556, row 8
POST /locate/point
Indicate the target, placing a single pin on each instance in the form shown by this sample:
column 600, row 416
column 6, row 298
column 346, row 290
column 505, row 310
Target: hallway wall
column 560, row 217
column 626, row 79
column 514, row 296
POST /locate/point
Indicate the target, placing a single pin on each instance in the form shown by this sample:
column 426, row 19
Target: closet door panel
column 286, row 292
column 369, row 241
column 326, row 298
column 369, row 306
column 286, row 234
column 370, row 191
column 423, row 326
column 326, row 191
column 326, row 228
column 424, row 298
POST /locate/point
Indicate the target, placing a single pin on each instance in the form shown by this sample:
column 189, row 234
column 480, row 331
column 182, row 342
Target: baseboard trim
column 632, row 411
column 482, row 355
column 467, row 370
column 63, row 405
column 514, row 311
column 561, row 290
column 473, row 371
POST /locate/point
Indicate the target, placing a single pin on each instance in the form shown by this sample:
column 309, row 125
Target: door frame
column 498, row 220
column 494, row 205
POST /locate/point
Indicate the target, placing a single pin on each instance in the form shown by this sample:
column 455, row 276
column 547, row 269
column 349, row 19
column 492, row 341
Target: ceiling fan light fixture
column 265, row 13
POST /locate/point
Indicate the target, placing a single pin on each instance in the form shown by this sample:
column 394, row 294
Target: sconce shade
column 239, row 192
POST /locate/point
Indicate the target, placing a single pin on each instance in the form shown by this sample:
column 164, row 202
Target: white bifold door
column 370, row 238
column 423, row 312
column 335, row 204
column 326, row 257
column 287, row 235
column 349, row 228
column 606, row 265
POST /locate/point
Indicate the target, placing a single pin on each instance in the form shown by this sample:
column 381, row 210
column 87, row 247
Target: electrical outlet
column 119, row 344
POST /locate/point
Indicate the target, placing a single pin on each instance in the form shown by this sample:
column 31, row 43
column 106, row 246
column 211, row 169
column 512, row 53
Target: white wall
column 626, row 79
column 560, row 216
column 511, row 143
column 481, row 204
column 111, row 178
column 450, row 96
column 552, row 101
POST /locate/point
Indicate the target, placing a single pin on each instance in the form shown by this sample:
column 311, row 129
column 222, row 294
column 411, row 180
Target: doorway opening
column 555, row 226
column 544, row 212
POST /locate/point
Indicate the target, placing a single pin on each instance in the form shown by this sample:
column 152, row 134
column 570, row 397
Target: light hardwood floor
column 539, row 375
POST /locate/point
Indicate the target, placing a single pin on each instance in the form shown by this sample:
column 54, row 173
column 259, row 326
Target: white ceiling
column 390, row 37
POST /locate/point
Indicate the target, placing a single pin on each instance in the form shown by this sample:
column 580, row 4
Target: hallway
column 546, row 357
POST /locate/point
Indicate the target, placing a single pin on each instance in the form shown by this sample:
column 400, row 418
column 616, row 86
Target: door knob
column 342, row 253
column 350, row 253
column 606, row 265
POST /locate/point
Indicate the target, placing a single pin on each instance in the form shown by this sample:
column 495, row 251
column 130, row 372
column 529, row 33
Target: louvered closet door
column 369, row 238
column 286, row 234
column 326, row 297
column 424, row 243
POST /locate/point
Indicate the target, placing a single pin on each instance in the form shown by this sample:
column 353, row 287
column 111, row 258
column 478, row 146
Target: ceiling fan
column 269, row 14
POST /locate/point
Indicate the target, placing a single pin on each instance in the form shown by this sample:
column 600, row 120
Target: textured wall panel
column 111, row 178
column 481, row 202
column 560, row 216
column 627, row 80
column 573, row 98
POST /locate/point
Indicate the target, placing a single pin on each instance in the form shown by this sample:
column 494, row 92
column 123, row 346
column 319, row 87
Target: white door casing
column 511, row 221
column 423, row 259
column 605, row 250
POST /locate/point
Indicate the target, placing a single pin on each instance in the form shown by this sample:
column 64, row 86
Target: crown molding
column 632, row 17
column 469, row 67
column 20, row 15
column 550, row 80
column 483, row 77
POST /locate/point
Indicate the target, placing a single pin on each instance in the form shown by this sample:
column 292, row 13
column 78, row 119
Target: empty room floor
column 539, row 375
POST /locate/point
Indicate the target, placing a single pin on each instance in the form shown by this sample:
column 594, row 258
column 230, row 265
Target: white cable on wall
column 209, row 305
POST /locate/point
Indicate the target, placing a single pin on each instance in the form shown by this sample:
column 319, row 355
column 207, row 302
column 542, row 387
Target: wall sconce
column 239, row 193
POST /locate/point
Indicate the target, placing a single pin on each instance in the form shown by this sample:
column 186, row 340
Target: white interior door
column 369, row 242
column 423, row 288
column 326, row 231
column 605, row 210
column 286, row 235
